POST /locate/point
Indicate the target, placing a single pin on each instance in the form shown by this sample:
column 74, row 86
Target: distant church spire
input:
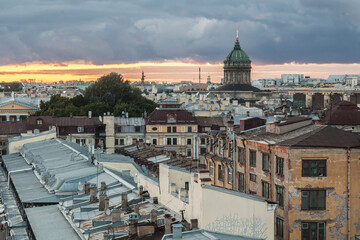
column 237, row 35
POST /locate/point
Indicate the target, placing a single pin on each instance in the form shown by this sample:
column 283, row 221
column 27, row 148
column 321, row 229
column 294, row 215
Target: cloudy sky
column 126, row 36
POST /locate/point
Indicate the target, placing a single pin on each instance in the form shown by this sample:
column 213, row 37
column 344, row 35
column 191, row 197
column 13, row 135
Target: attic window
column 39, row 121
column 171, row 118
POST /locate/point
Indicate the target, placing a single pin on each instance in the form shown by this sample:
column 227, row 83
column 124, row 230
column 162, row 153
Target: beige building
column 173, row 128
column 15, row 110
column 210, row 207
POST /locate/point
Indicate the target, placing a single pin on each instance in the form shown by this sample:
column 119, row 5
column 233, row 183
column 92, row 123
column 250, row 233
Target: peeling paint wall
column 335, row 183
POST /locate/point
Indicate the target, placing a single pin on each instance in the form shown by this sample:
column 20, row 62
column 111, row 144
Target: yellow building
column 173, row 128
column 15, row 110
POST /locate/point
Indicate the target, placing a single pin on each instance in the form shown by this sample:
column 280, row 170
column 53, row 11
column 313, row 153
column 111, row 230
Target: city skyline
column 279, row 36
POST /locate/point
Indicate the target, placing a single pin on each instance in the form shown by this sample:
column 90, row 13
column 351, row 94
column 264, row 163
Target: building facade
column 308, row 170
column 173, row 128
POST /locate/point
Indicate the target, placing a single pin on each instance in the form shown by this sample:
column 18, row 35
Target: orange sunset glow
column 167, row 71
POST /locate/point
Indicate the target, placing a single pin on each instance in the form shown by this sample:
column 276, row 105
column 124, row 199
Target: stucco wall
column 14, row 146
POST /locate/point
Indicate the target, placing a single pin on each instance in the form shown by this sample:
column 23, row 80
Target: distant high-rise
column 237, row 66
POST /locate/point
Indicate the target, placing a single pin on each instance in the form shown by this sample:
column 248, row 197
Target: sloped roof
column 328, row 137
column 343, row 113
column 65, row 121
column 210, row 121
column 13, row 128
column 161, row 117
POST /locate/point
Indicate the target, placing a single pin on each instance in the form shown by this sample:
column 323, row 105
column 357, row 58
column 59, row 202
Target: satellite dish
column 107, row 212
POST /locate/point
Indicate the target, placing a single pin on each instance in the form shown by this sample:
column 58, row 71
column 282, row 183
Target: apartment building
column 309, row 170
column 173, row 128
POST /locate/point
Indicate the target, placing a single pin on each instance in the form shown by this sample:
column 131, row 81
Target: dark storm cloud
column 116, row 31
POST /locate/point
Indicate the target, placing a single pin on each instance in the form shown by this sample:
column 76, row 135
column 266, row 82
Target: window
column 169, row 129
column 252, row 158
column 154, row 128
column 39, row 121
column 241, row 182
column 313, row 199
column 241, row 155
column 3, row 152
column 168, row 141
column 121, row 141
column 280, row 196
column 174, row 129
column 280, row 166
column 313, row 230
column 2, row 143
column 211, row 169
column 252, row 192
column 174, row 141
column 188, row 141
column 203, row 141
column 137, row 128
column 279, row 230
column 229, row 175
column 189, row 129
column 314, row 168
column 81, row 141
column 265, row 162
column 80, row 129
column 252, row 177
column 265, row 190
column 230, row 151
column 202, row 150
column 188, row 152
column 220, row 173
column 186, row 185
column 116, row 141
column 118, row 129
column 154, row 141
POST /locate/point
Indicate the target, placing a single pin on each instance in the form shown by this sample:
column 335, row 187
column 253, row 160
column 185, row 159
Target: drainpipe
column 348, row 192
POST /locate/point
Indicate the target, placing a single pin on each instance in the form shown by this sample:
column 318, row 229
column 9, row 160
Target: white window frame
column 80, row 129
column 211, row 169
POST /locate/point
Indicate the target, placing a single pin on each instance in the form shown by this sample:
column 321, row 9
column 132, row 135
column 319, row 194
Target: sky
column 169, row 40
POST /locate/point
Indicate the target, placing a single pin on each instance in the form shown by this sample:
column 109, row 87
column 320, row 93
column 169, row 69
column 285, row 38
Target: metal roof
column 135, row 121
column 49, row 223
column 208, row 235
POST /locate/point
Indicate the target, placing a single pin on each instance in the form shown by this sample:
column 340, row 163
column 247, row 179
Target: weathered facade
column 309, row 170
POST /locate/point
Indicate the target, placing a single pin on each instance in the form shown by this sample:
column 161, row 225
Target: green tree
column 111, row 93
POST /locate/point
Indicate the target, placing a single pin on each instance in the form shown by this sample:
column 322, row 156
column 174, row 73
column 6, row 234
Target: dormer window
column 80, row 129
column 39, row 121
column 171, row 118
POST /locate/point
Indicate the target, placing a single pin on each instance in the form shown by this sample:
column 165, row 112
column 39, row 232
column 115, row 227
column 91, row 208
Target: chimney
column 153, row 216
column 103, row 186
column 167, row 224
column 115, row 215
column 90, row 114
column 133, row 220
column 71, row 114
column 86, row 187
column 248, row 113
column 93, row 190
column 102, row 197
column 155, row 200
column 141, row 190
column 106, row 203
column 124, row 200
column 177, row 230
column 137, row 211
column 194, row 224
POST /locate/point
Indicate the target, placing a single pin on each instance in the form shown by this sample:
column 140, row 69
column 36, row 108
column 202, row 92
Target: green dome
column 237, row 55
